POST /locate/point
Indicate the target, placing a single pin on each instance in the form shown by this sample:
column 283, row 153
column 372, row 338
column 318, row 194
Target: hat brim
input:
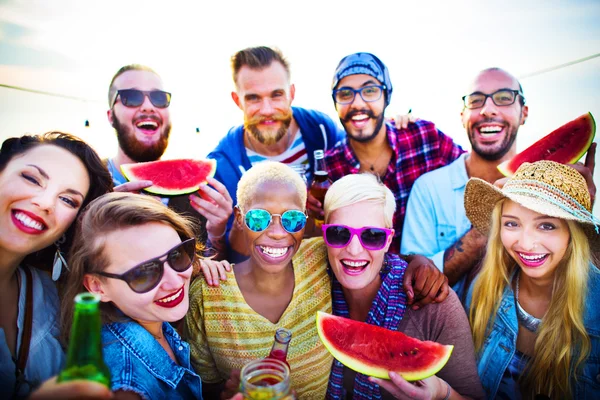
column 481, row 198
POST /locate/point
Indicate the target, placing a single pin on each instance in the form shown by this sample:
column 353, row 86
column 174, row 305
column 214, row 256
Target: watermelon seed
column 414, row 351
column 391, row 355
column 405, row 353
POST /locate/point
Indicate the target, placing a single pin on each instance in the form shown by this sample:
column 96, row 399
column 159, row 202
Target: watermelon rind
column 129, row 172
column 509, row 167
column 377, row 371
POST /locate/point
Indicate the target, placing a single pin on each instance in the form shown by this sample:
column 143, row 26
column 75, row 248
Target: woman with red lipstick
column 367, row 286
column 44, row 182
column 534, row 307
column 138, row 255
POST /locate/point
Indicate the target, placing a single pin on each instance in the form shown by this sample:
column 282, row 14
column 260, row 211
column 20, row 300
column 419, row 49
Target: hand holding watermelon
column 427, row 389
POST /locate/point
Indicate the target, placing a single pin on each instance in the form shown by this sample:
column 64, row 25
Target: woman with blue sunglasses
column 282, row 285
column 367, row 286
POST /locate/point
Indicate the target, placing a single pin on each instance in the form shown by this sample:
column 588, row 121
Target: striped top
column 225, row 333
column 294, row 155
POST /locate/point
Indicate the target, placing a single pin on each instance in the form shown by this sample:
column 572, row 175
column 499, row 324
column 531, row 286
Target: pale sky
column 432, row 49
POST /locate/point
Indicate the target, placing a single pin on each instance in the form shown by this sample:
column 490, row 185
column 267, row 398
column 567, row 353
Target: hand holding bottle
column 78, row 389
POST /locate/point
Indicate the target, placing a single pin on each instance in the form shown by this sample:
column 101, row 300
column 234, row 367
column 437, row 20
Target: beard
column 140, row 152
column 494, row 153
column 367, row 137
column 268, row 136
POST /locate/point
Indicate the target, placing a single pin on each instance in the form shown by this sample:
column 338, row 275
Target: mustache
column 152, row 117
column 352, row 113
column 279, row 117
column 489, row 121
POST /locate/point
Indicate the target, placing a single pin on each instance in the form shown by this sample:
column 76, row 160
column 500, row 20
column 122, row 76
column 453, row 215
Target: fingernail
column 415, row 308
column 410, row 293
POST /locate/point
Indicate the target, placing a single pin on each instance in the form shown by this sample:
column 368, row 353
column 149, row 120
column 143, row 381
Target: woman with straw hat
column 533, row 309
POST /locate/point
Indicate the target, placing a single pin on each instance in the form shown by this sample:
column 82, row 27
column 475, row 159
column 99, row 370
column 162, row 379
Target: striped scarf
column 386, row 311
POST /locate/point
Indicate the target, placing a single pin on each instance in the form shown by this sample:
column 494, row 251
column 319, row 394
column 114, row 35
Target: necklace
column 287, row 146
column 528, row 321
column 372, row 165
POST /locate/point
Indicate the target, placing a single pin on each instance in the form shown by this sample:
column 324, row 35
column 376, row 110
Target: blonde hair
column 551, row 368
column 104, row 215
column 355, row 188
column 268, row 171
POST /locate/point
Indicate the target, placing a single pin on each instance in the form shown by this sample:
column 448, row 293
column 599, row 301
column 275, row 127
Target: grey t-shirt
column 445, row 323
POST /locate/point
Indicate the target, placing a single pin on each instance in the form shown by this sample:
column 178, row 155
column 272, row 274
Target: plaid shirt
column 416, row 150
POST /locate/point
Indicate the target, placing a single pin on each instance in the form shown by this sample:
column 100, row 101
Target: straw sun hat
column 546, row 187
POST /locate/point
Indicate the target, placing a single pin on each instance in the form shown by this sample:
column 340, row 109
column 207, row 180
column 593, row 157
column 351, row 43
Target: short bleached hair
column 268, row 171
column 355, row 188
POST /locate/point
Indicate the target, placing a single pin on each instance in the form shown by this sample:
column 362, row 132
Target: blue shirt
column 138, row 363
column 46, row 356
column 435, row 215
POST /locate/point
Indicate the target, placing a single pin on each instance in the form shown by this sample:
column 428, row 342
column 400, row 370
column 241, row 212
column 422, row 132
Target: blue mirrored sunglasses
column 257, row 220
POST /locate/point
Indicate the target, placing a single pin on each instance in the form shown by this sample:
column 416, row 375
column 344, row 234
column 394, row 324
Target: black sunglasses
column 147, row 275
column 135, row 98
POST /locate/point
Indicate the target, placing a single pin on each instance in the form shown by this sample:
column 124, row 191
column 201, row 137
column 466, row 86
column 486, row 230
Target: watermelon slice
column 171, row 177
column 374, row 351
column 565, row 145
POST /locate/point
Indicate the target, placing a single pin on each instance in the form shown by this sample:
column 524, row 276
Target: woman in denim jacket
column 534, row 308
column 138, row 255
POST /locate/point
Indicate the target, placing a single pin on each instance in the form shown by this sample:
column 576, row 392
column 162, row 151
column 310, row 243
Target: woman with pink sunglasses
column 367, row 286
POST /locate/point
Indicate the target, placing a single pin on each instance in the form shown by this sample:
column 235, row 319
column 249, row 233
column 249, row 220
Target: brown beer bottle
column 320, row 183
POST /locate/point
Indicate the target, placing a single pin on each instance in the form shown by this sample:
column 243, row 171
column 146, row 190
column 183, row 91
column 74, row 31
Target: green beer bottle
column 84, row 356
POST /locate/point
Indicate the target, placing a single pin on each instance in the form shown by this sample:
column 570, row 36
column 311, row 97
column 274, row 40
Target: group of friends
column 417, row 236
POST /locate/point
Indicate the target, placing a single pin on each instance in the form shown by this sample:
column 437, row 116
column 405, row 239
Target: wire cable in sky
column 49, row 93
column 543, row 71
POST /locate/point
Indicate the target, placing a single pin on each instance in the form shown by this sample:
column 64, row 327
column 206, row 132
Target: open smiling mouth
column 532, row 260
column 354, row 267
column 274, row 252
column 171, row 300
column 490, row 131
column 147, row 126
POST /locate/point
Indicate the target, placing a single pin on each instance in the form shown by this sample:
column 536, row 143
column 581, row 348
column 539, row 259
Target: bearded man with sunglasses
column 139, row 113
column 436, row 223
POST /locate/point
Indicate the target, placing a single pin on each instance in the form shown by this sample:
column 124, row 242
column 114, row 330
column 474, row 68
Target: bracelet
column 449, row 391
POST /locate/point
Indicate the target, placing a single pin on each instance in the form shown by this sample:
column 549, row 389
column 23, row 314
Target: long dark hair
column 100, row 178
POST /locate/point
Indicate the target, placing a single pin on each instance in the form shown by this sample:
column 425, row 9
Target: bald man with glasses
column 436, row 224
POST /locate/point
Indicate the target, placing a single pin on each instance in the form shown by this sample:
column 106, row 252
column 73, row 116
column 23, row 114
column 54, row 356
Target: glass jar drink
column 267, row 379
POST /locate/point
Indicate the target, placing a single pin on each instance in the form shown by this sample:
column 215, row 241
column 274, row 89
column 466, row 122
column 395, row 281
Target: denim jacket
column 138, row 363
column 499, row 347
column 46, row 356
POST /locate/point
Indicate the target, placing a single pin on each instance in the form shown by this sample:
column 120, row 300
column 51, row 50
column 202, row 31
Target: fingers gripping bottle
column 84, row 355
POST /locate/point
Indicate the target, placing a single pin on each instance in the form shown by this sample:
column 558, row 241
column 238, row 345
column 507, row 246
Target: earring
column 59, row 260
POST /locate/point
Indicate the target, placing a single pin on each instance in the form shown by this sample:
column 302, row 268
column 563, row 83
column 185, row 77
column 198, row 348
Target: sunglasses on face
column 147, row 275
column 257, row 220
column 371, row 238
column 135, row 98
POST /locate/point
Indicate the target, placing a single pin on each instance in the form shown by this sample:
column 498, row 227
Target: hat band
column 553, row 196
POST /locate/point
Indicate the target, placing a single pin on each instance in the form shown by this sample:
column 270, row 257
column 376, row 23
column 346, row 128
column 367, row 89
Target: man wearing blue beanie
column 361, row 91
